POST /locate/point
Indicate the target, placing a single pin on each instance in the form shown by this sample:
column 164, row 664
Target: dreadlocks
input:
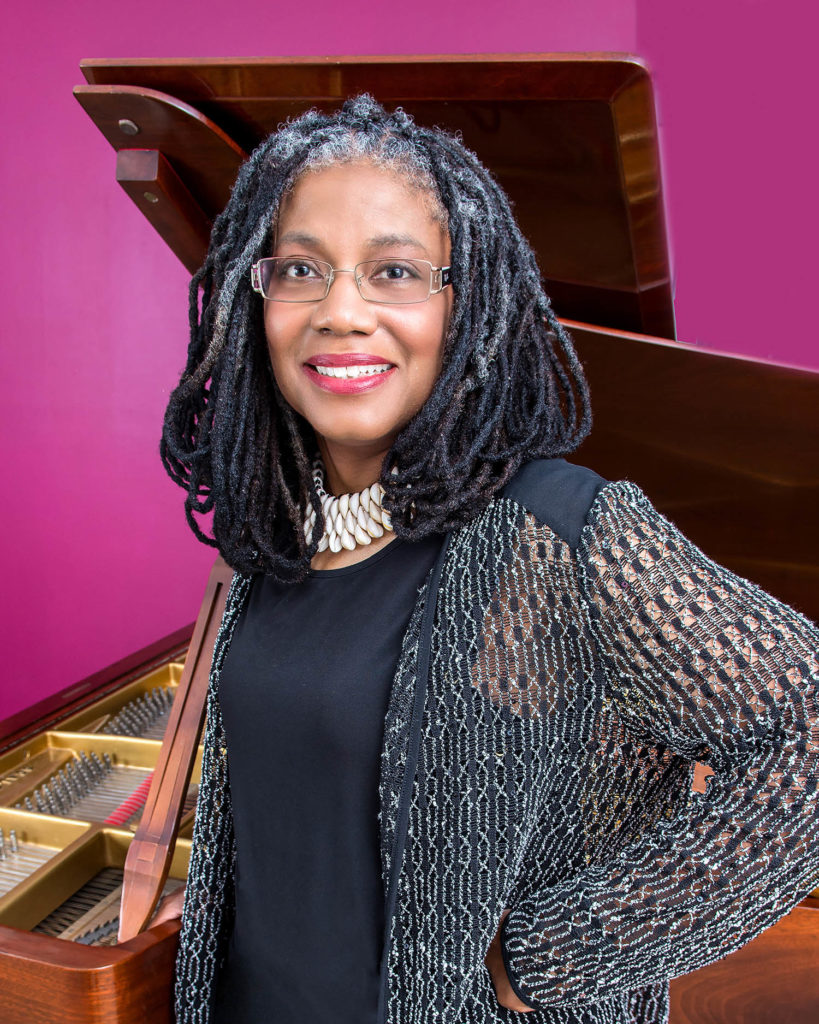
column 511, row 388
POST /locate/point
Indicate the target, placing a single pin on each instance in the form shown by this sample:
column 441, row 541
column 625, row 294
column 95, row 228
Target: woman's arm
column 504, row 991
column 708, row 665
column 170, row 907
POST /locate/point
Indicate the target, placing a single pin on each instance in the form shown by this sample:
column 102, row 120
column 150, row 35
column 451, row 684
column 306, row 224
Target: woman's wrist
column 170, row 907
column 506, row 995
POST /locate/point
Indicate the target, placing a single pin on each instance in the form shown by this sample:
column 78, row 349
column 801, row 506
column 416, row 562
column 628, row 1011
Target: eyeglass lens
column 296, row 279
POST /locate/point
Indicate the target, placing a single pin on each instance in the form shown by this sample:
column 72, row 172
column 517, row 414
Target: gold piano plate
column 144, row 702
column 79, row 893
column 89, row 777
column 28, row 844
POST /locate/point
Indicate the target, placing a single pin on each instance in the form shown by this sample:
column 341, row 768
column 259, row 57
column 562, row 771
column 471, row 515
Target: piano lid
column 571, row 137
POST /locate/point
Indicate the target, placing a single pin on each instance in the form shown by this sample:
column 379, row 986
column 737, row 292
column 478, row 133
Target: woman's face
column 345, row 214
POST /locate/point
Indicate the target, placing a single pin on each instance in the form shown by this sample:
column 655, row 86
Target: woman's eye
column 298, row 270
column 394, row 271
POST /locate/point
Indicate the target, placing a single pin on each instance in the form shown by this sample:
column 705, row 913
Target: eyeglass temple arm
column 441, row 277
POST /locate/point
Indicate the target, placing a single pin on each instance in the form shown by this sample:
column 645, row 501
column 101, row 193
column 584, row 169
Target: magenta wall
column 736, row 87
column 100, row 560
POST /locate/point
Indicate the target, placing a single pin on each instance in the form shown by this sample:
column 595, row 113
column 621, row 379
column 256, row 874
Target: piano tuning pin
column 13, row 841
column 85, row 770
column 71, row 785
column 29, row 804
column 53, row 798
column 108, row 763
column 2, row 846
column 64, row 792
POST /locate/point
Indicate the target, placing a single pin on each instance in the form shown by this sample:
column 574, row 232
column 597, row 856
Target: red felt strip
column 128, row 808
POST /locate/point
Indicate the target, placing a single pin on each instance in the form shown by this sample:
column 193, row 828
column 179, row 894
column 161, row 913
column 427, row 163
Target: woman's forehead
column 373, row 205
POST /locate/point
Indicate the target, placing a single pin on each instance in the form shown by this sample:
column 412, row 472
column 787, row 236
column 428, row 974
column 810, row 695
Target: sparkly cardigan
column 570, row 656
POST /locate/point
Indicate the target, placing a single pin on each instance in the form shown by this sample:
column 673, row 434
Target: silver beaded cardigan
column 570, row 656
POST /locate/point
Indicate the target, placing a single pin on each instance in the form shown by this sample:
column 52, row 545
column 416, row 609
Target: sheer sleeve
column 709, row 665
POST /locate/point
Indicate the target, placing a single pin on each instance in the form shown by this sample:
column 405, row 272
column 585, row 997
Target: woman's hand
column 500, row 979
column 170, row 907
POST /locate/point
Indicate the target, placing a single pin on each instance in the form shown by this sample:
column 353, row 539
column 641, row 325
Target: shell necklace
column 350, row 520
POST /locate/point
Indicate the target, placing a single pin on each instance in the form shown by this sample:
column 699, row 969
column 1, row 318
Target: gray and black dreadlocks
column 511, row 388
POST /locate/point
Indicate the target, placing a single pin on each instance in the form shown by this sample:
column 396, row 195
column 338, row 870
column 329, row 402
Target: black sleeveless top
column 304, row 691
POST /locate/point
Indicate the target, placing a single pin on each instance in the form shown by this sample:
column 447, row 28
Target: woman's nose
column 343, row 310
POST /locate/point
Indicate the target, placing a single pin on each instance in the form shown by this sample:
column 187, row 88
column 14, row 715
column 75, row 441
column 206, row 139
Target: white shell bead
column 373, row 528
column 350, row 519
column 361, row 535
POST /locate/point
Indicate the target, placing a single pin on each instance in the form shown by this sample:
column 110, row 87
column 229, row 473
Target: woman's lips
column 348, row 372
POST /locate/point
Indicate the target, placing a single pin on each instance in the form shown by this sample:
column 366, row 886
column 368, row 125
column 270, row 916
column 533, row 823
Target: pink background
column 99, row 560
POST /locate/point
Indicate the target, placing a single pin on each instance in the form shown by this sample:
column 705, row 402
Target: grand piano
column 97, row 784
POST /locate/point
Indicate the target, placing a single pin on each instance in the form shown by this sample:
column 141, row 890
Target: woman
column 460, row 684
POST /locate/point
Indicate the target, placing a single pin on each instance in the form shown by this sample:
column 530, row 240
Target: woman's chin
column 362, row 441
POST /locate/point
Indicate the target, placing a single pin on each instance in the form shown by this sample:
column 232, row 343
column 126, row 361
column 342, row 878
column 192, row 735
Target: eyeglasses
column 390, row 280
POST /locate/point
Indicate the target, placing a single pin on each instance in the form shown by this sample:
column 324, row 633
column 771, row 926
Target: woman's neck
column 348, row 470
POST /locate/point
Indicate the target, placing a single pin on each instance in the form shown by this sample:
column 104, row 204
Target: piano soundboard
column 70, row 801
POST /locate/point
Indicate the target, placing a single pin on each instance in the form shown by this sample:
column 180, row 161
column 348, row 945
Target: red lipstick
column 347, row 385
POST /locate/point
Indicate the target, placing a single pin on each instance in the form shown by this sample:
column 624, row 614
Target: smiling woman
column 446, row 647
column 356, row 352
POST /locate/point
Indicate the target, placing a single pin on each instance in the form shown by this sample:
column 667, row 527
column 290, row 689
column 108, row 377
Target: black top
column 304, row 691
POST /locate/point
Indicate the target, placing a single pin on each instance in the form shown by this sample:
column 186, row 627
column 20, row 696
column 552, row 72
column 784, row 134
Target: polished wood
column 571, row 138
column 151, row 182
column 149, row 855
column 204, row 157
column 772, row 980
column 45, row 980
column 727, row 447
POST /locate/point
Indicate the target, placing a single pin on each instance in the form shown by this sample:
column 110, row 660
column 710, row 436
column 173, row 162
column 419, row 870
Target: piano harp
column 572, row 138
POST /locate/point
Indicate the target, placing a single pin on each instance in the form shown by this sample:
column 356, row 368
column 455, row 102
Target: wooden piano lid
column 727, row 447
column 571, row 137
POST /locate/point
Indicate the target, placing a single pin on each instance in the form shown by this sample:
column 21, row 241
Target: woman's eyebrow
column 298, row 238
column 385, row 241
column 377, row 242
